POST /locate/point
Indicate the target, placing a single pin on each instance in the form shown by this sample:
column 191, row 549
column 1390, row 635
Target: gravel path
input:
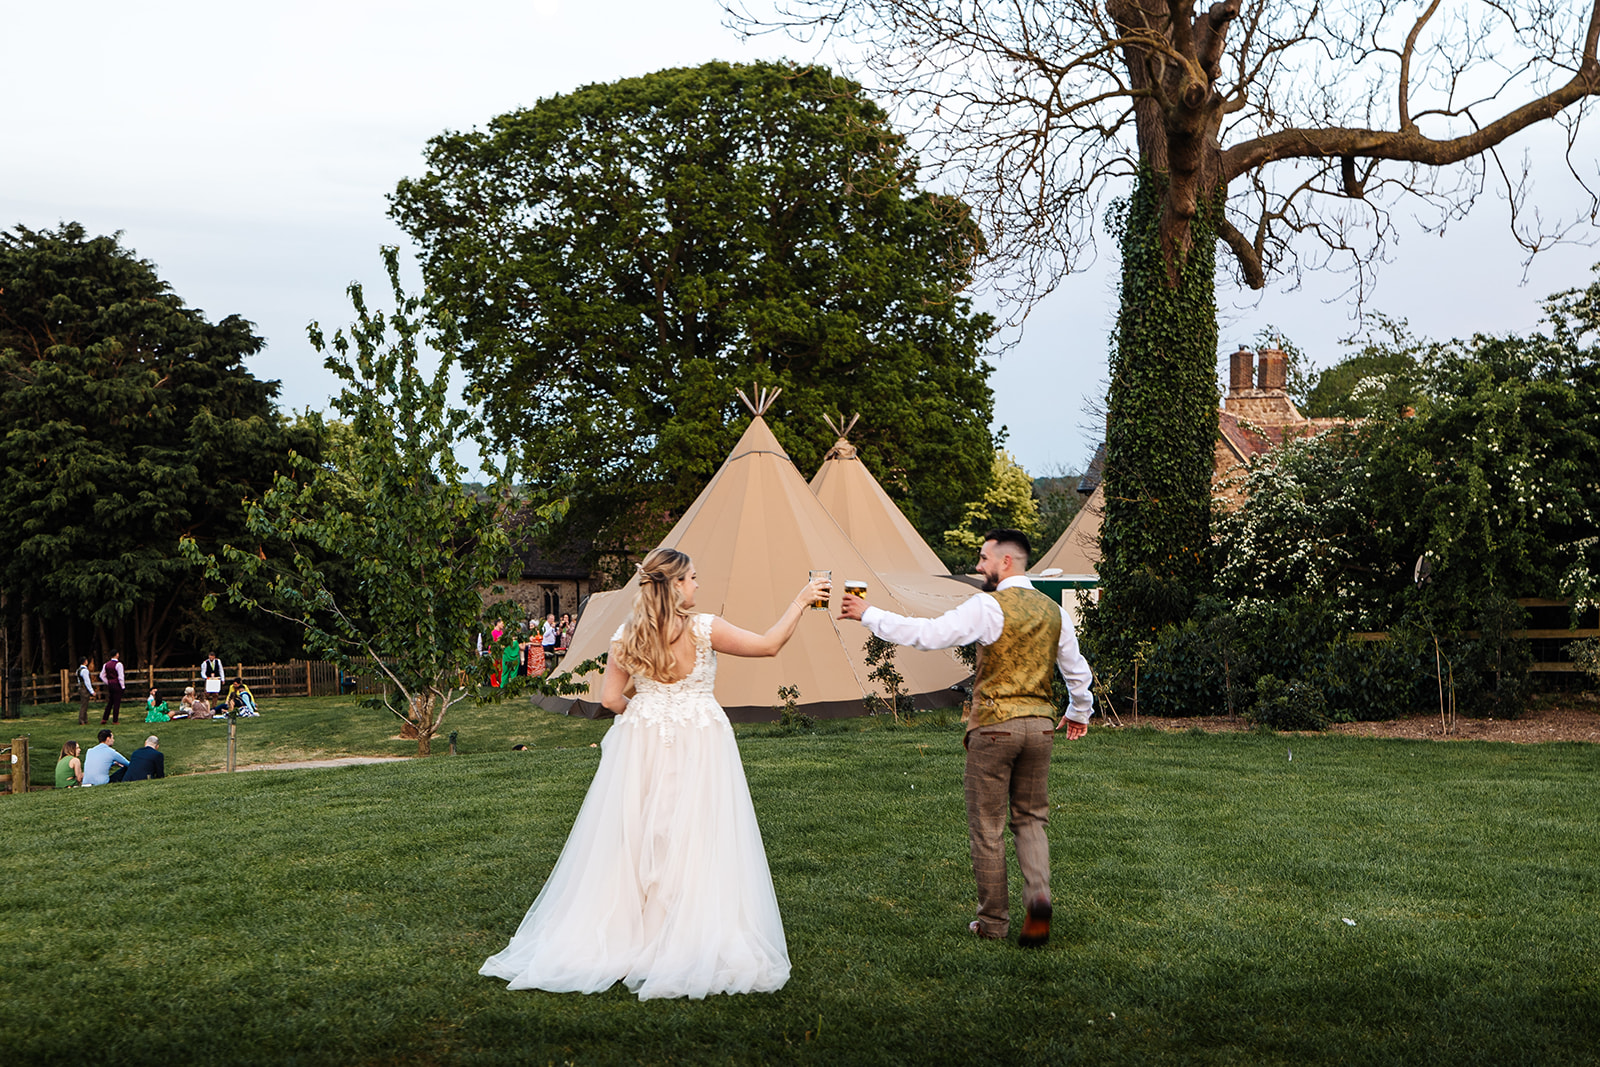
column 342, row 761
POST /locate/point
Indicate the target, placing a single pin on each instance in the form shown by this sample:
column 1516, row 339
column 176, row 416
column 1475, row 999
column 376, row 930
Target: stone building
column 553, row 582
column 1256, row 416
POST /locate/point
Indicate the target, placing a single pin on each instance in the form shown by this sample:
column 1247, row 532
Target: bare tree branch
column 1038, row 111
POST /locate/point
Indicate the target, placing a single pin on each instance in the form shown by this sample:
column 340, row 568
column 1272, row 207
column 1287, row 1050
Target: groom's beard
column 990, row 583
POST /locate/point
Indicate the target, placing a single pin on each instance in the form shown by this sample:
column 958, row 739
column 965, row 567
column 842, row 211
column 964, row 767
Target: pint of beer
column 856, row 587
column 821, row 602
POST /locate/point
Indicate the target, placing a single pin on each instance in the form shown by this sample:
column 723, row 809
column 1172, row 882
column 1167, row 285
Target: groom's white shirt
column 979, row 620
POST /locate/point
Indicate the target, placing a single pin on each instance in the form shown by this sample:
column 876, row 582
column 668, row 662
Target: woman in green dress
column 69, row 768
column 510, row 661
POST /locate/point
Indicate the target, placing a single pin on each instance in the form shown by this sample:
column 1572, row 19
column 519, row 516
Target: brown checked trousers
column 1008, row 771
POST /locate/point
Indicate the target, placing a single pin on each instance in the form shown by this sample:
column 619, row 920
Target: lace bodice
column 688, row 703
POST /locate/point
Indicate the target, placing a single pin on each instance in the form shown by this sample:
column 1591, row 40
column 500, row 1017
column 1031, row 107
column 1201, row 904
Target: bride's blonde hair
column 645, row 645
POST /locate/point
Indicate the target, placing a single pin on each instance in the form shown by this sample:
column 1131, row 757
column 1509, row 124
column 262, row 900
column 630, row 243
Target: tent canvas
column 754, row 532
column 1077, row 550
column 868, row 517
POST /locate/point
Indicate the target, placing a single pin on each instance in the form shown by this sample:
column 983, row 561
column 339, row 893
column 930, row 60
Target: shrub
column 1368, row 681
column 1292, row 705
column 1586, row 656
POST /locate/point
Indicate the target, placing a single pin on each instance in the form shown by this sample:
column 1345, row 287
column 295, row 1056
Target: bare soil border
column 1559, row 717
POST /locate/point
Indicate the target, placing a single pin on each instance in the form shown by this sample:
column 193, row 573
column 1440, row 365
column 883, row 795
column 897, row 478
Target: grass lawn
column 289, row 730
column 1203, row 883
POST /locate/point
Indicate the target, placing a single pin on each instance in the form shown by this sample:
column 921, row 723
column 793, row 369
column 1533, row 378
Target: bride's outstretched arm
column 614, row 686
column 728, row 638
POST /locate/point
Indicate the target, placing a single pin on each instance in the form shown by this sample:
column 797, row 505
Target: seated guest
column 69, row 768
column 198, row 707
column 239, row 701
column 98, row 763
column 147, row 762
column 155, row 709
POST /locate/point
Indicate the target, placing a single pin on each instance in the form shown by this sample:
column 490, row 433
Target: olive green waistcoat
column 1014, row 672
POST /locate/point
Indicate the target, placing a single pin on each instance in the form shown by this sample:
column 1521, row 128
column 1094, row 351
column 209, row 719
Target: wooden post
column 233, row 739
column 308, row 677
column 19, row 764
column 66, row 686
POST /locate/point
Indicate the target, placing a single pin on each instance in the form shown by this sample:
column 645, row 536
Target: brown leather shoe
column 1036, row 927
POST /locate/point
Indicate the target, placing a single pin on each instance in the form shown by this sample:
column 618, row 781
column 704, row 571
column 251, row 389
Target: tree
column 390, row 504
column 129, row 422
column 1007, row 503
column 622, row 257
column 1255, row 123
column 1382, row 377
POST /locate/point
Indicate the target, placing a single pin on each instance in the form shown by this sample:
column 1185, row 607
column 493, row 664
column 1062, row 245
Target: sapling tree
column 419, row 546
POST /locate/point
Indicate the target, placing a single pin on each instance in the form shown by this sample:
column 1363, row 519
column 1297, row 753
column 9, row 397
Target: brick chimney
column 1240, row 371
column 1273, row 375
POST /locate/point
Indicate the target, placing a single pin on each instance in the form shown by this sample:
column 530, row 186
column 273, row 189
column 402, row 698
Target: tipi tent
column 753, row 533
column 866, row 514
column 1077, row 550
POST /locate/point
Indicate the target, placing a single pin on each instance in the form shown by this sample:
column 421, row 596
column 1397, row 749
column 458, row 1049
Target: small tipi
column 754, row 532
column 866, row 514
column 1077, row 550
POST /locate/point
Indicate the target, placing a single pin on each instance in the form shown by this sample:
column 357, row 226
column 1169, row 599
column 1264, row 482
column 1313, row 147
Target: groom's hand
column 1074, row 729
column 851, row 607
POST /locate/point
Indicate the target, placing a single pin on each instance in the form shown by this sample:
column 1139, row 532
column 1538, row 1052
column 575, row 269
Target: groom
column 1021, row 635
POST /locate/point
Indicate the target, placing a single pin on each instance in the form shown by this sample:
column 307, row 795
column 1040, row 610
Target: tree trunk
column 47, row 660
column 423, row 707
column 6, row 710
column 25, row 633
column 1161, row 430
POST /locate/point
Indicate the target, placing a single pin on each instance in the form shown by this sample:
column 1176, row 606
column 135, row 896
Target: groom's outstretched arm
column 978, row 619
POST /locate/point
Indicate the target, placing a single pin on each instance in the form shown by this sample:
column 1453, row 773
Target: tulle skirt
column 663, row 883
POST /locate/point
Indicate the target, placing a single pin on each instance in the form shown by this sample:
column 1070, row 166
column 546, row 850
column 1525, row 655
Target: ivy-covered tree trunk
column 1161, row 431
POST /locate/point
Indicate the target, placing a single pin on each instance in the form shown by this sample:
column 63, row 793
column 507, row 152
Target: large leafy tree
column 622, row 257
column 127, row 421
column 1290, row 134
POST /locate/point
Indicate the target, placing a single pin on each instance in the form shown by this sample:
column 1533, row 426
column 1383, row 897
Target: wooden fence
column 1550, row 652
column 297, row 678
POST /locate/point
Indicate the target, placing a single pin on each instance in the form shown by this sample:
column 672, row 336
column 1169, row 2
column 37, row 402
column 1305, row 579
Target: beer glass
column 821, row 602
column 856, row 587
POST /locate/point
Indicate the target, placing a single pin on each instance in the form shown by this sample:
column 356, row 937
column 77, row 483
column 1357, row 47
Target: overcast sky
column 247, row 153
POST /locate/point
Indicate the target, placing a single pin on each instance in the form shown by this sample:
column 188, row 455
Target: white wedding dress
column 663, row 882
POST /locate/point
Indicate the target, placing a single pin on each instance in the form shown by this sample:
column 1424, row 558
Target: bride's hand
column 816, row 589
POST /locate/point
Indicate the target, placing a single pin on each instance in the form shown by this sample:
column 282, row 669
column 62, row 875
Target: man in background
column 97, row 765
column 113, row 679
column 147, row 762
column 212, row 674
column 86, row 691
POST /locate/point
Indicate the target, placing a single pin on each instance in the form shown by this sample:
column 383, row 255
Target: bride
column 663, row 882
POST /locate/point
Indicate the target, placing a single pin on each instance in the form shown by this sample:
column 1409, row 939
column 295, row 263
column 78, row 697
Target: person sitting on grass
column 147, row 762
column 98, row 763
column 69, row 768
column 239, row 702
column 193, row 707
column 155, row 709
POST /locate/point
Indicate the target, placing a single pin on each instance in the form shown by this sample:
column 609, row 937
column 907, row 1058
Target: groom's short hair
column 1015, row 540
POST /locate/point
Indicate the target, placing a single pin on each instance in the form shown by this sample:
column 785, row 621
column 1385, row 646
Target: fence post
column 19, row 764
column 308, row 677
column 66, row 686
